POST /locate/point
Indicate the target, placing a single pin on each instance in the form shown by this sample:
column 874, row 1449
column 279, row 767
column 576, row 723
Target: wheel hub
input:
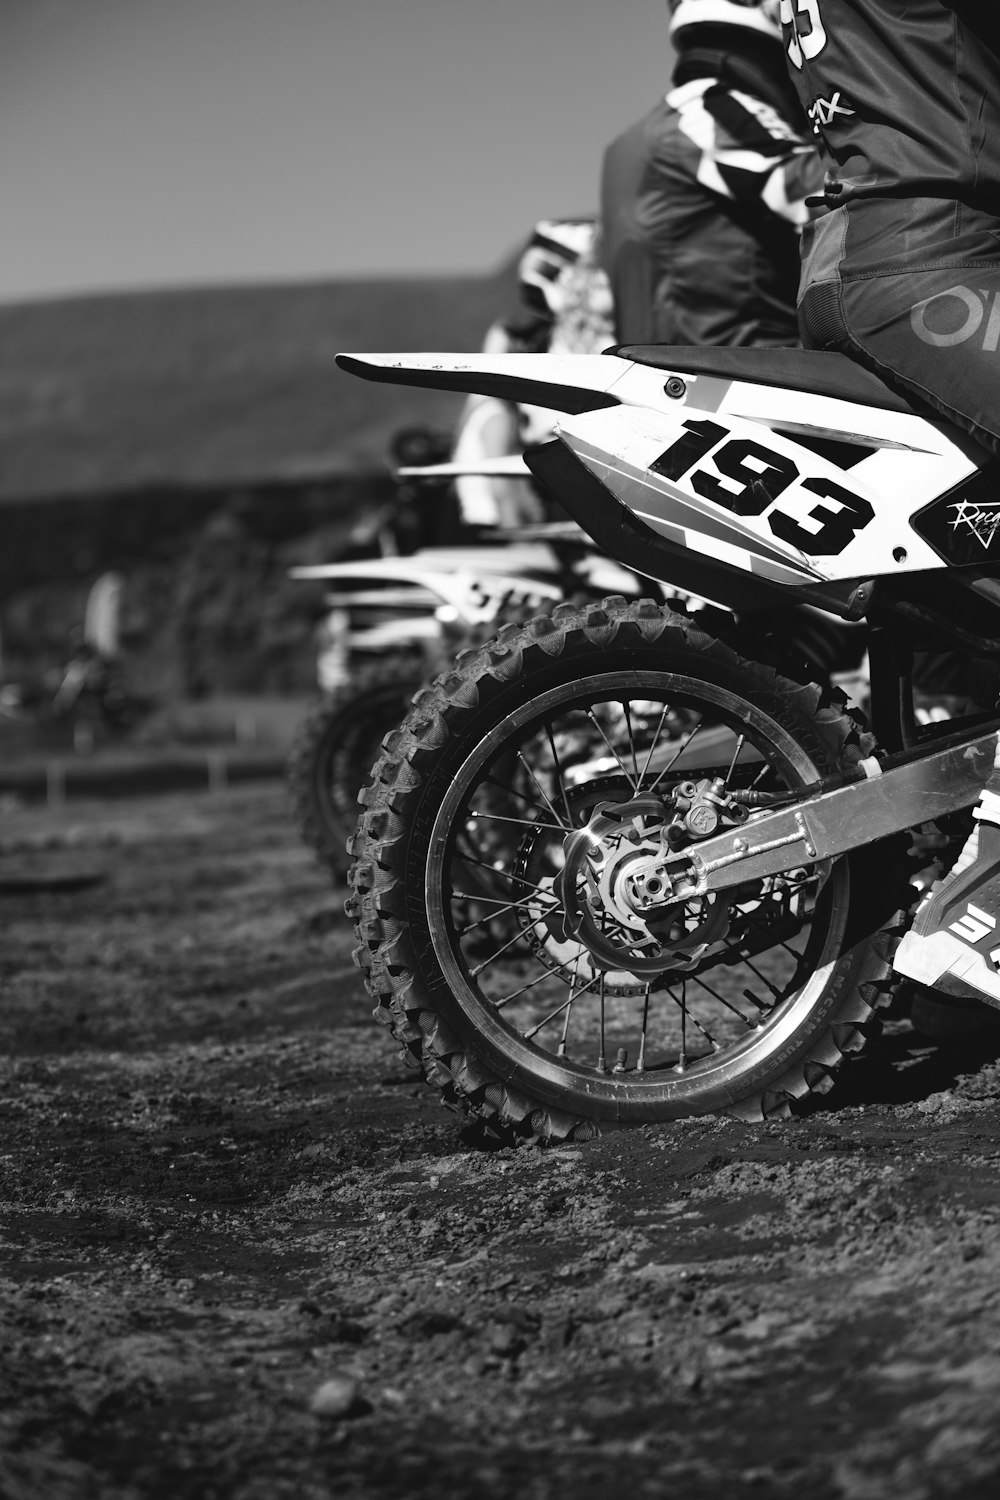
column 624, row 864
column 616, row 898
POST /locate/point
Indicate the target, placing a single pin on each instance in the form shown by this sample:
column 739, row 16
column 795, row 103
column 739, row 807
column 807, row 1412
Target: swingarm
column 903, row 791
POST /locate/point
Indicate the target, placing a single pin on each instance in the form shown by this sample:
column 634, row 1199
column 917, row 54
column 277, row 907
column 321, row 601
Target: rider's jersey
column 702, row 202
column 904, row 93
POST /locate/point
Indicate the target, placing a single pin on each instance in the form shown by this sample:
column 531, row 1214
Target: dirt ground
column 245, row 1254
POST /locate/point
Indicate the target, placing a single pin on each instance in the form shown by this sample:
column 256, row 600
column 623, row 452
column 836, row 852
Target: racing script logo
column 982, row 521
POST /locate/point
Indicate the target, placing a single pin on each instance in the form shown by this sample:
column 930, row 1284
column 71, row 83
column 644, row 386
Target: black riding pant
column 910, row 287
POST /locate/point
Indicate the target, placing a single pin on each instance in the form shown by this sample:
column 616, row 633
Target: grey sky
column 162, row 142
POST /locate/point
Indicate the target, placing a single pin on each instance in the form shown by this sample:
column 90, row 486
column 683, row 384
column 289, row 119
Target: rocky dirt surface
column 245, row 1254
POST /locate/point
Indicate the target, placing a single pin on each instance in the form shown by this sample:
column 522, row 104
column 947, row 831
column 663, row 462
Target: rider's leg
column 911, row 288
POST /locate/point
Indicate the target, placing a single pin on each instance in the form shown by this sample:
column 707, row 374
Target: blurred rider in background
column 564, row 307
column 702, row 200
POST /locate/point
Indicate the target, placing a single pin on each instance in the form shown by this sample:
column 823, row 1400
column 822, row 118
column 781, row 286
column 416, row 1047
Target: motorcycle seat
column 815, row 370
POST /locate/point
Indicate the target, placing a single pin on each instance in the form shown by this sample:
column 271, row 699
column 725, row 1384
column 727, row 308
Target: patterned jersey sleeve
column 749, row 152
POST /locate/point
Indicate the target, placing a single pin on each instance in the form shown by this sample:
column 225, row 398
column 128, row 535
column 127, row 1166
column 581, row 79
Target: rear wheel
column 513, row 927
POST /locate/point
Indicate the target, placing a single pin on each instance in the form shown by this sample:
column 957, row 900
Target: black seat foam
column 824, row 373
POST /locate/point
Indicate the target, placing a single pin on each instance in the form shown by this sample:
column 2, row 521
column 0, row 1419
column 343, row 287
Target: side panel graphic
column 736, row 491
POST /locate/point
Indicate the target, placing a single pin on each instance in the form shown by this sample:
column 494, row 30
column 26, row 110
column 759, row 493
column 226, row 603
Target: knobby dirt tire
column 495, row 1077
column 334, row 749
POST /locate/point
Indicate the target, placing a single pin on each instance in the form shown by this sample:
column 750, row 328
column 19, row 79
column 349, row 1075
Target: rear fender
column 560, row 382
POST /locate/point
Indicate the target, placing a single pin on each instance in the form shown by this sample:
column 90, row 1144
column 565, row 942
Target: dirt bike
column 614, row 868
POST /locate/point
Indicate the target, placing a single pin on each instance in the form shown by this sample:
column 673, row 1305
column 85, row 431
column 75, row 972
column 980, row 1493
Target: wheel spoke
column 682, row 1060
column 736, row 755
column 675, row 758
column 640, row 1066
column 561, row 1009
column 697, row 979
column 542, row 792
column 537, row 892
column 559, row 775
column 561, row 1049
column 631, row 743
column 509, row 790
column 545, row 974
column 686, row 1016
column 517, row 938
column 600, row 729
column 504, row 908
column 656, row 740
column 520, row 822
column 775, row 990
column 519, row 880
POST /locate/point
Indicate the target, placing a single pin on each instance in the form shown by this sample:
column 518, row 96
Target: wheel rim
column 734, row 985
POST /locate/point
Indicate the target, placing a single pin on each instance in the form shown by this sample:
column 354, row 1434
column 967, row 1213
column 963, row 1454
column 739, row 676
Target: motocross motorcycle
column 403, row 618
column 617, row 867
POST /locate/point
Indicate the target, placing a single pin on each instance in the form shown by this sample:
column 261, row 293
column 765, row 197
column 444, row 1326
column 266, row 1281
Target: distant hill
column 210, row 386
